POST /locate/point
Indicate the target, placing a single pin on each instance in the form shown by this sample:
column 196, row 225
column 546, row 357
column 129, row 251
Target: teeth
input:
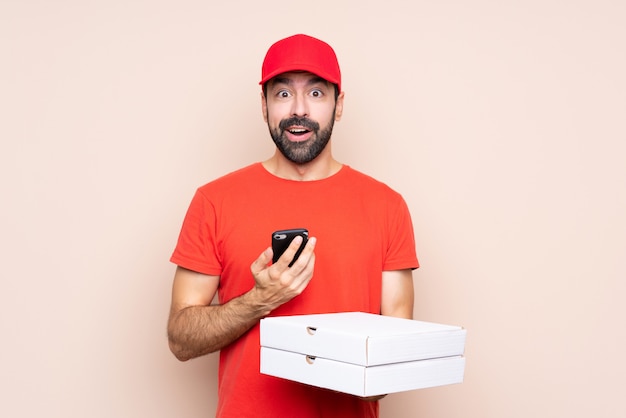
column 297, row 131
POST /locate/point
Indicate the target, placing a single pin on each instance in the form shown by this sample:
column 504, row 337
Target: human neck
column 320, row 168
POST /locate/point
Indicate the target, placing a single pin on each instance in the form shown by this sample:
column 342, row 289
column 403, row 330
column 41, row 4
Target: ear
column 339, row 107
column 264, row 106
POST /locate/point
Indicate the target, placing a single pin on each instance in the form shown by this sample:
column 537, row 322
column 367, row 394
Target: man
column 359, row 257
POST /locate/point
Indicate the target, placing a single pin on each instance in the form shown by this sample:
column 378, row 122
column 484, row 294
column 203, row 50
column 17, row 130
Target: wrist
column 257, row 304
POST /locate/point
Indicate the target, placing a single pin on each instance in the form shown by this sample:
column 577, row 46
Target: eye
column 283, row 94
column 317, row 93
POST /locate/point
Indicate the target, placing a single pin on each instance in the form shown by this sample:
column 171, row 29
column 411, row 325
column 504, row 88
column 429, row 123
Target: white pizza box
column 361, row 338
column 361, row 380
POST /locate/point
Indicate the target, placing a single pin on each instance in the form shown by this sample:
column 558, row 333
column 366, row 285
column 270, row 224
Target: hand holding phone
column 281, row 240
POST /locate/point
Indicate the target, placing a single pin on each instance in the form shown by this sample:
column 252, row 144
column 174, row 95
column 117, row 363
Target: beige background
column 501, row 122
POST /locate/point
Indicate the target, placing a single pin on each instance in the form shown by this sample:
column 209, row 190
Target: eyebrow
column 287, row 81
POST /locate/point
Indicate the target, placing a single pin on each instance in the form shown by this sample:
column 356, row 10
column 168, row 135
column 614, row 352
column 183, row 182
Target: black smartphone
column 281, row 240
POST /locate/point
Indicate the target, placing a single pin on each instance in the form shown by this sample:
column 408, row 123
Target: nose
column 300, row 106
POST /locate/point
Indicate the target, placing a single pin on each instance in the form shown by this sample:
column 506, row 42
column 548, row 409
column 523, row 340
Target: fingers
column 372, row 398
column 301, row 271
column 285, row 259
column 278, row 283
column 282, row 264
column 308, row 254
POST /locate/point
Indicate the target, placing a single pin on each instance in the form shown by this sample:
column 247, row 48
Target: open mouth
column 298, row 131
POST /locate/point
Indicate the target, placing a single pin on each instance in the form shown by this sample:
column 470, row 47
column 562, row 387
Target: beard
column 305, row 151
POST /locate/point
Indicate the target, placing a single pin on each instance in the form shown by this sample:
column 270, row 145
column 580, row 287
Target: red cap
column 301, row 53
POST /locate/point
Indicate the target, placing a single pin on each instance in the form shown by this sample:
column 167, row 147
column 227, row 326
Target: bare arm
column 196, row 328
column 397, row 298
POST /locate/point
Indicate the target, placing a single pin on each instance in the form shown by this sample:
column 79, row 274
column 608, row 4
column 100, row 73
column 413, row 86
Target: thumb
column 262, row 261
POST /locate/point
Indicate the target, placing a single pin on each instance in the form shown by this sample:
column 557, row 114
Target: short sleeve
column 196, row 248
column 401, row 249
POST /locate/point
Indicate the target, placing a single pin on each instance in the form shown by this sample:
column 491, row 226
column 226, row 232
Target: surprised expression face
column 300, row 110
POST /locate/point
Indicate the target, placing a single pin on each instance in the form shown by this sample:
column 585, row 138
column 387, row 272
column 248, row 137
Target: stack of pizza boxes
column 362, row 354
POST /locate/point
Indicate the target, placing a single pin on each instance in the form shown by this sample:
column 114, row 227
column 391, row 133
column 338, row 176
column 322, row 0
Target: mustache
column 296, row 121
